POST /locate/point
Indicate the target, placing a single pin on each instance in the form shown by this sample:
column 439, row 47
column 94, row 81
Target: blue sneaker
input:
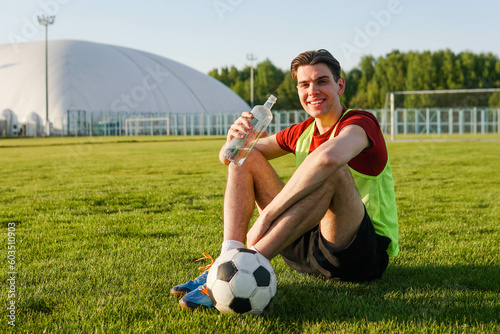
column 182, row 289
column 197, row 298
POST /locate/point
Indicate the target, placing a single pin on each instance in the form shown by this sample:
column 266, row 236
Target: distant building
column 92, row 82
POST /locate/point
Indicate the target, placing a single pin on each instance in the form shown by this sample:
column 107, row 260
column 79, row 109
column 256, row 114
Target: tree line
column 368, row 83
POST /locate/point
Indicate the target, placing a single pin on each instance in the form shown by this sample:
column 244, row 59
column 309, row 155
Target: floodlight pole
column 251, row 57
column 45, row 21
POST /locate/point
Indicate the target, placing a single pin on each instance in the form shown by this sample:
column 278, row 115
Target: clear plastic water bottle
column 239, row 148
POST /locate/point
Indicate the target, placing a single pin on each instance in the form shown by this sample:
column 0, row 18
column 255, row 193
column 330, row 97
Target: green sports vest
column 377, row 192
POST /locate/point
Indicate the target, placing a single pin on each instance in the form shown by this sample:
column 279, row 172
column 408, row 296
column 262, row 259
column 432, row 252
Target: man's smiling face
column 318, row 91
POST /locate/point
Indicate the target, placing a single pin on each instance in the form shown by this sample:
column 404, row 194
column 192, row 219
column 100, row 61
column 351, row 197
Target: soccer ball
column 241, row 281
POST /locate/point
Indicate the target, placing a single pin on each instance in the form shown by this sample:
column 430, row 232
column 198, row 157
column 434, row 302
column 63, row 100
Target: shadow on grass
column 39, row 305
column 458, row 294
column 20, row 142
column 9, row 223
column 142, row 235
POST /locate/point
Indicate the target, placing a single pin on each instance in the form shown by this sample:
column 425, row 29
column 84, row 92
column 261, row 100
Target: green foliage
column 494, row 100
column 106, row 226
column 367, row 84
column 267, row 80
column 287, row 92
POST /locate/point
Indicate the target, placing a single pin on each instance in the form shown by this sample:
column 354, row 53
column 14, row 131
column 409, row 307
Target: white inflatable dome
column 104, row 78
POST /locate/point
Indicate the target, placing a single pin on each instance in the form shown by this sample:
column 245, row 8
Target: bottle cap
column 272, row 99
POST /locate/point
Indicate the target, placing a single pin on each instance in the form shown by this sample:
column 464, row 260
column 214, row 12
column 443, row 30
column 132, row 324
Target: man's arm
column 315, row 169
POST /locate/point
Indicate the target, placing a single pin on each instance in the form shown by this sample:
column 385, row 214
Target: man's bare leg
column 254, row 181
column 335, row 205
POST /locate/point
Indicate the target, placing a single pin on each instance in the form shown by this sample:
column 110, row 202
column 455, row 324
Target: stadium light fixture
column 45, row 20
column 251, row 57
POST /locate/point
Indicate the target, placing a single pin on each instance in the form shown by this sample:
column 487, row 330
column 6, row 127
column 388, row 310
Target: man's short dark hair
column 320, row 56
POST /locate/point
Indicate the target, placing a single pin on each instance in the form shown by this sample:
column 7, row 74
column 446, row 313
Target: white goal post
column 136, row 125
column 389, row 98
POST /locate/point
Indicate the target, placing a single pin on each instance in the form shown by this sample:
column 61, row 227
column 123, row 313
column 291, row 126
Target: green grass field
column 104, row 227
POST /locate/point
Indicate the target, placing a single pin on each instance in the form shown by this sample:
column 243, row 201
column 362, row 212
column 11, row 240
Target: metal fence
column 406, row 121
column 447, row 121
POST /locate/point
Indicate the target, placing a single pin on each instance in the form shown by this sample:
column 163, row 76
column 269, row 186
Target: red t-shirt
column 370, row 161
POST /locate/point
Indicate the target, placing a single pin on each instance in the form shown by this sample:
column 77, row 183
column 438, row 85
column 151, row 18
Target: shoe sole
column 178, row 293
column 192, row 306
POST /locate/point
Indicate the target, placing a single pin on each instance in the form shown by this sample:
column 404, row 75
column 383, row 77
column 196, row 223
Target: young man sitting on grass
column 336, row 217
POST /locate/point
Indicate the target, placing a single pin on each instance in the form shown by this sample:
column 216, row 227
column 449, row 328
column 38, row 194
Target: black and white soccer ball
column 241, row 281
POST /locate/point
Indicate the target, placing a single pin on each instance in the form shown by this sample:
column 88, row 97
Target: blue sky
column 207, row 34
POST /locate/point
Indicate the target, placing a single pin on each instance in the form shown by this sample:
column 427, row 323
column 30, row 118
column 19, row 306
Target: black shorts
column 364, row 259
